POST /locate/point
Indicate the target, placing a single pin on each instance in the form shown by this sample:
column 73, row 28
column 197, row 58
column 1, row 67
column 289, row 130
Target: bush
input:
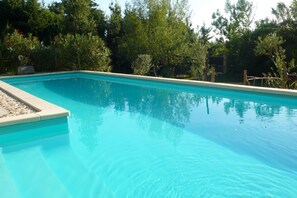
column 16, row 44
column 44, row 59
column 77, row 52
column 142, row 64
column 69, row 52
column 271, row 46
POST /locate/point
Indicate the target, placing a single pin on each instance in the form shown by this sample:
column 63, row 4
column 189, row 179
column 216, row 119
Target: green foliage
column 100, row 21
column 78, row 17
column 142, row 65
column 271, row 46
column 135, row 38
column 114, row 36
column 12, row 14
column 234, row 29
column 238, row 20
column 46, row 25
column 205, row 34
column 293, row 8
column 44, row 58
column 198, row 55
column 82, row 52
column 69, row 52
column 281, row 12
column 161, row 29
column 16, row 44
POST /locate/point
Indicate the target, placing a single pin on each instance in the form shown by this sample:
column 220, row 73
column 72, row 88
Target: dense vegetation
column 148, row 37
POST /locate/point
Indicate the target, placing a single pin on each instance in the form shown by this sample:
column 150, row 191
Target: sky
column 202, row 9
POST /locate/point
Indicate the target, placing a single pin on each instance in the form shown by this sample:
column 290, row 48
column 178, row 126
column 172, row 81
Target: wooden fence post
column 213, row 74
column 245, row 77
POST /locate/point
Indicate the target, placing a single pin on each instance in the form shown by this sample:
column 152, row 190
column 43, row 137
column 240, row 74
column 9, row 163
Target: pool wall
column 30, row 132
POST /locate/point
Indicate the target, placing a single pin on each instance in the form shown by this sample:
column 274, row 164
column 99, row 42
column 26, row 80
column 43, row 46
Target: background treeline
column 148, row 37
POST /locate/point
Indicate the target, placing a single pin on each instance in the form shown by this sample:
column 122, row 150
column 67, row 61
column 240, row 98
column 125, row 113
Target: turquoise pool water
column 132, row 138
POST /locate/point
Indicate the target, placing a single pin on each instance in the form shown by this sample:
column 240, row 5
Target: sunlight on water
column 130, row 138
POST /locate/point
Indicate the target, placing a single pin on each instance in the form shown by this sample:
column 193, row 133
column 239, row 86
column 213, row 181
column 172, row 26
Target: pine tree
column 78, row 18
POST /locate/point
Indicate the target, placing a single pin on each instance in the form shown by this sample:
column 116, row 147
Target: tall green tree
column 78, row 17
column 100, row 21
column 205, row 34
column 13, row 16
column 294, row 9
column 236, row 21
column 114, row 36
column 135, row 39
column 42, row 22
column 287, row 28
column 234, row 28
column 162, row 30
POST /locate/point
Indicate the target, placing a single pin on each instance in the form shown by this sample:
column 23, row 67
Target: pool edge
column 266, row 90
column 228, row 86
column 44, row 109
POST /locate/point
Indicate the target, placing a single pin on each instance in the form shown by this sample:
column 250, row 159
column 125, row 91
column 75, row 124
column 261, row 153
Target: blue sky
column 203, row 9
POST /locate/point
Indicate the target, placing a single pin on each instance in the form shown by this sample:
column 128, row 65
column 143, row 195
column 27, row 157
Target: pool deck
column 9, row 106
column 43, row 109
column 46, row 110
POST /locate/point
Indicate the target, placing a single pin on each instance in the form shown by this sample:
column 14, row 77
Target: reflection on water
column 146, row 139
column 172, row 105
column 261, row 126
column 244, row 123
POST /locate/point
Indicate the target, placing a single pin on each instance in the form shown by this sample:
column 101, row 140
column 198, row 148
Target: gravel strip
column 12, row 107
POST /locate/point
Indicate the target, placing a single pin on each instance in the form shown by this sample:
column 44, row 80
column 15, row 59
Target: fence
column 251, row 80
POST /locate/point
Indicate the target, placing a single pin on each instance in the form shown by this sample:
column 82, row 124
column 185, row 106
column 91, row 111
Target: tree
column 82, row 52
column 294, row 9
column 160, row 29
column 114, row 35
column 12, row 15
column 286, row 19
column 235, row 31
column 142, row 65
column 271, row 46
column 100, row 21
column 198, row 59
column 205, row 34
column 282, row 13
column 78, row 18
column 238, row 20
column 29, row 17
column 43, row 23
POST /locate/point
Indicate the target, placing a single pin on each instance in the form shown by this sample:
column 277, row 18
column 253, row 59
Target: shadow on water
column 18, row 137
column 175, row 105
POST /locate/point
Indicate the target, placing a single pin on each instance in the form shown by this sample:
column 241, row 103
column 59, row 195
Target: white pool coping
column 254, row 89
column 44, row 110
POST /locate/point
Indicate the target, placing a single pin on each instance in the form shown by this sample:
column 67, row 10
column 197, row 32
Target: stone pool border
column 46, row 110
column 254, row 89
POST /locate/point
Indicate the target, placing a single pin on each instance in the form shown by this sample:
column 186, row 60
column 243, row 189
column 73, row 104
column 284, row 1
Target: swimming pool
column 139, row 138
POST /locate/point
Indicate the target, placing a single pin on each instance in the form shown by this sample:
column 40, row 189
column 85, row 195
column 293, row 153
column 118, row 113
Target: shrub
column 142, row 64
column 69, row 52
column 77, row 52
column 16, row 44
column 271, row 46
column 44, row 59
